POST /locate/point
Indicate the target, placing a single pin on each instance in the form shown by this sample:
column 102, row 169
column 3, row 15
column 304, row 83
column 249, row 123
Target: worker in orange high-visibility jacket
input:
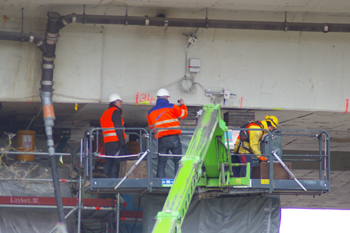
column 248, row 142
column 165, row 116
column 114, row 139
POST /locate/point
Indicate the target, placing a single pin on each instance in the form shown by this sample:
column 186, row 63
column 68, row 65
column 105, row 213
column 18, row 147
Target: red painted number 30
column 144, row 98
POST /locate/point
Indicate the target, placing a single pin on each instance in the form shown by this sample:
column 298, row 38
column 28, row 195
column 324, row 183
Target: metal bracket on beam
column 126, row 17
column 74, row 18
column 285, row 22
column 84, row 20
column 206, row 19
column 31, row 38
column 46, row 83
column 51, row 35
column 51, row 38
column 325, row 28
column 146, row 20
column 64, row 22
column 40, row 43
column 48, row 58
column 48, row 66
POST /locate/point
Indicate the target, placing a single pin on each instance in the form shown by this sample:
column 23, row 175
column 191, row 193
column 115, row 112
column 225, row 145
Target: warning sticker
column 265, row 181
column 167, row 182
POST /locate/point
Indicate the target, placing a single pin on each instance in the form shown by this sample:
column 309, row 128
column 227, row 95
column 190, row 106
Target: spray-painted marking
column 144, row 98
column 346, row 106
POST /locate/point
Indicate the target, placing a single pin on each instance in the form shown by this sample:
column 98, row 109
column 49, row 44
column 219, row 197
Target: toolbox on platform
column 139, row 172
column 279, row 173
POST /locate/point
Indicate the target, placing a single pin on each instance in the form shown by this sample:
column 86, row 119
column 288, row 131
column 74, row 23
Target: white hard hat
column 162, row 92
column 114, row 97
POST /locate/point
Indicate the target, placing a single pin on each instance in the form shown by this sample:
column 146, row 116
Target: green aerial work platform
column 206, row 148
column 206, row 169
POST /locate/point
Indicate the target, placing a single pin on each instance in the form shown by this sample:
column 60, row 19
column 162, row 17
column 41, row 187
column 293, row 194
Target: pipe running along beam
column 24, row 37
column 205, row 23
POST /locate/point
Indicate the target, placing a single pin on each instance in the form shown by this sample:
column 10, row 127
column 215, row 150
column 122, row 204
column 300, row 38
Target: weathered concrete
column 265, row 69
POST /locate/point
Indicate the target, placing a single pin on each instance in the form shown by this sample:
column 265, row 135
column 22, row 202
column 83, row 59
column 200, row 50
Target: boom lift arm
column 206, row 147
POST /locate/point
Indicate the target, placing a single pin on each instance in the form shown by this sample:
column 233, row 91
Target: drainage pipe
column 205, row 23
column 24, row 37
column 48, row 47
column 51, row 36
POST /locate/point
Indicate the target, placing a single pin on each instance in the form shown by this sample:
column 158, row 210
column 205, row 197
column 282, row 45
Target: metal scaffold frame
column 78, row 204
column 148, row 151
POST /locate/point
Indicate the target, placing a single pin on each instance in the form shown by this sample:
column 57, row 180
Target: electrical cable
column 94, row 230
column 192, row 85
column 190, row 81
column 86, row 227
column 34, row 118
column 126, row 227
column 137, row 213
column 200, row 85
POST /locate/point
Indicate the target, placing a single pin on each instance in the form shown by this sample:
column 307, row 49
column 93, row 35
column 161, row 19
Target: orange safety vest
column 165, row 115
column 106, row 122
column 243, row 137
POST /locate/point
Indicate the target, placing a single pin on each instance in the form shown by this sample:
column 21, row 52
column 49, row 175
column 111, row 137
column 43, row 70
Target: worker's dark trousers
column 241, row 159
column 111, row 166
column 170, row 143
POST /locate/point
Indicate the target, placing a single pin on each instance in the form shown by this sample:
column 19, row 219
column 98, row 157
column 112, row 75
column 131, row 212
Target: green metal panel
column 216, row 152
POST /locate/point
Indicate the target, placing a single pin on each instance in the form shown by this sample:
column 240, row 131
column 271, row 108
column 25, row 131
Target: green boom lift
column 207, row 163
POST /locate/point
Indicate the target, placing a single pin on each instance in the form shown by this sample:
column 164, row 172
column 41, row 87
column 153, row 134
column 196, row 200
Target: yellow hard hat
column 272, row 119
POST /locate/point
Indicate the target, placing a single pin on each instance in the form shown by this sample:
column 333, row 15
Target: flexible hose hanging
column 48, row 47
column 48, row 109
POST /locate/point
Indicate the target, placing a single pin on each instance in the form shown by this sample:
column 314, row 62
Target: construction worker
column 165, row 115
column 114, row 139
column 248, row 142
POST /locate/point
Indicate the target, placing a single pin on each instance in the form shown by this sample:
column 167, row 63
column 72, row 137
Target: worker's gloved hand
column 125, row 149
column 181, row 101
column 262, row 159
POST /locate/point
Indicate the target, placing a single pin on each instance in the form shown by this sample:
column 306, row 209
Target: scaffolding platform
column 267, row 185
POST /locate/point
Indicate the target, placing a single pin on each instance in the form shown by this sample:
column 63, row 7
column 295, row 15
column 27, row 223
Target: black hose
column 46, row 99
column 137, row 213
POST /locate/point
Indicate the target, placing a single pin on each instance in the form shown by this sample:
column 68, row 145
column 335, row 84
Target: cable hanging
column 188, row 85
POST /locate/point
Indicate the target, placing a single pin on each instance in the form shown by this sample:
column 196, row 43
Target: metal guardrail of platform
column 290, row 185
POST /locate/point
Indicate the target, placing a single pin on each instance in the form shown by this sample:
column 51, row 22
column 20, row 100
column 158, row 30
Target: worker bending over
column 114, row 139
column 248, row 142
column 165, row 115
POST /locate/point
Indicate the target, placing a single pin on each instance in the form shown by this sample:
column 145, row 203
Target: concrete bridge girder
column 265, row 69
